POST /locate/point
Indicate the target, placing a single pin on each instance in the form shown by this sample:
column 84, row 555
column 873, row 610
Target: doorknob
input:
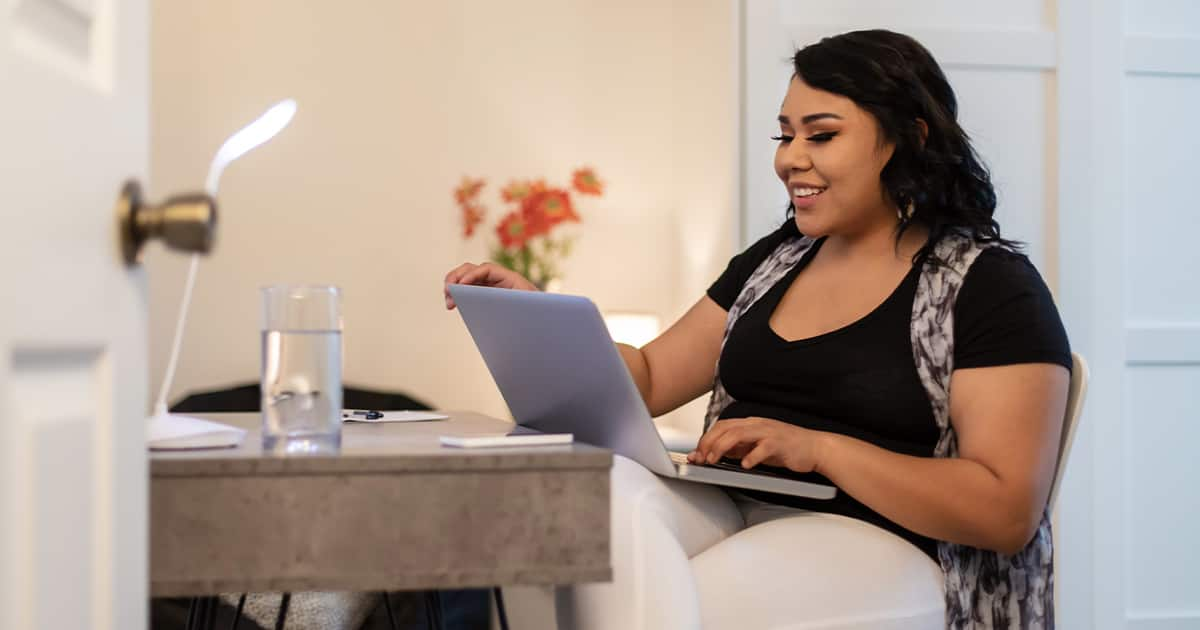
column 185, row 222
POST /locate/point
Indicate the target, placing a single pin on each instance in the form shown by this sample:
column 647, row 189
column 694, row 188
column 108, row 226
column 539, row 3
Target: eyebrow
column 810, row 118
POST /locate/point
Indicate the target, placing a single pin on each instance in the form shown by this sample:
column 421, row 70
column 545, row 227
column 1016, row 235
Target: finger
column 757, row 455
column 732, row 439
column 708, row 438
column 457, row 272
column 719, row 428
column 717, row 432
column 738, row 451
column 486, row 274
column 454, row 277
column 446, row 295
column 699, row 457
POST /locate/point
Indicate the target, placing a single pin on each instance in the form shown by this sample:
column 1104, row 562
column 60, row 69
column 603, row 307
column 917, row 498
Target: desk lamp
column 167, row 430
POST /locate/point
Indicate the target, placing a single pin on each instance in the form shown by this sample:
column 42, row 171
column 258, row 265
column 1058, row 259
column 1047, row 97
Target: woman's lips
column 805, row 201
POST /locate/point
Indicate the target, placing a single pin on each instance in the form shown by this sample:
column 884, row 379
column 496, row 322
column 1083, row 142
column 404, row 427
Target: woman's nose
column 796, row 157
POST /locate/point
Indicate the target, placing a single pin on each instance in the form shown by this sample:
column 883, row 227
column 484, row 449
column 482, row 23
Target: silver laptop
column 559, row 371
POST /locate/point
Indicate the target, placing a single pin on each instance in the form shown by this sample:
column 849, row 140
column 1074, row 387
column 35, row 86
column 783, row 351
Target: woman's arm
column 679, row 364
column 1007, row 420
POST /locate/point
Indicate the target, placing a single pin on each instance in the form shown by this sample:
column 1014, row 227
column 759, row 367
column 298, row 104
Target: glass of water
column 302, row 369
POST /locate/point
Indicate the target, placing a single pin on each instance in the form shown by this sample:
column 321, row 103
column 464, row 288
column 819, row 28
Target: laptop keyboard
column 725, row 463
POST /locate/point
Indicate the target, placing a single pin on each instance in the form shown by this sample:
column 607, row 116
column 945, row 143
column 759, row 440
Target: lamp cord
column 160, row 406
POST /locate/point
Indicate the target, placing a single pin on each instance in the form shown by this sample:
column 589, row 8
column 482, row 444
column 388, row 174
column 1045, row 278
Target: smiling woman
column 876, row 328
column 884, row 339
column 903, row 122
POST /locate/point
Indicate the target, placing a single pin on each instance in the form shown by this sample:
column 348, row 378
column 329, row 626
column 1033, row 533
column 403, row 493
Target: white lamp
column 638, row 329
column 167, row 430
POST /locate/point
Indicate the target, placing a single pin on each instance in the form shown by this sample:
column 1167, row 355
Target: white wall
column 398, row 100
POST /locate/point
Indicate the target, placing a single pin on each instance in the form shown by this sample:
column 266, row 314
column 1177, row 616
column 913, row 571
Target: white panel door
column 73, row 126
column 1131, row 75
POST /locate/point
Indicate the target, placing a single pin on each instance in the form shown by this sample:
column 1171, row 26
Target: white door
column 73, row 478
column 1128, row 236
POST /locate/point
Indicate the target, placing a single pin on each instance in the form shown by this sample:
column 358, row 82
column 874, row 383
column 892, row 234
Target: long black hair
column 937, row 172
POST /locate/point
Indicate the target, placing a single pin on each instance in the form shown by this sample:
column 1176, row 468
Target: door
column 1131, row 556
column 73, row 126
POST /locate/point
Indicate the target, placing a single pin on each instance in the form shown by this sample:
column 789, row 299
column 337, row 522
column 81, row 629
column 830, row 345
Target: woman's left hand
column 759, row 441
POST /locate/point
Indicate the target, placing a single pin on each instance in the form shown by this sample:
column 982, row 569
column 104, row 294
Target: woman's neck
column 876, row 242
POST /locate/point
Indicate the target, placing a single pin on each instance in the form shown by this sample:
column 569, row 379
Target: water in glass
column 302, row 391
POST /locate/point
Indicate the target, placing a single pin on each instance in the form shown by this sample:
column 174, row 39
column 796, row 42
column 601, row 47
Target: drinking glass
column 301, row 369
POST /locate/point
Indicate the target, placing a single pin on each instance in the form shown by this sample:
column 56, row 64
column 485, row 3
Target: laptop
column 560, row 372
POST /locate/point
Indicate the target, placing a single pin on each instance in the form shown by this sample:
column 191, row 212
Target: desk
column 393, row 511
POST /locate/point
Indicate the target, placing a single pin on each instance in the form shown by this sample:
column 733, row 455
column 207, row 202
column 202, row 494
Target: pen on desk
column 367, row 414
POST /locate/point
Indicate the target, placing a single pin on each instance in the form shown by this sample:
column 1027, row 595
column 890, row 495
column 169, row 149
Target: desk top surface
column 377, row 447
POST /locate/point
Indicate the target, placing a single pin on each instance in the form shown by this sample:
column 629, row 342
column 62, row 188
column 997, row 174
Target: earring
column 905, row 214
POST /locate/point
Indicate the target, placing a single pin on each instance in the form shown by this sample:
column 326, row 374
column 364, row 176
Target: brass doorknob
column 185, row 222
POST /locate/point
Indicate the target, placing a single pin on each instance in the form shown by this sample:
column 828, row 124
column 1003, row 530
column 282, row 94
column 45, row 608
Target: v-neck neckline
column 775, row 299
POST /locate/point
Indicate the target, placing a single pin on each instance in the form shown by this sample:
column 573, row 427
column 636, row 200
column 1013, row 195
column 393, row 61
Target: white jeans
column 688, row 555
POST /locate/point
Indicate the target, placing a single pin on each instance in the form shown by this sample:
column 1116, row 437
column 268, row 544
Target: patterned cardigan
column 984, row 589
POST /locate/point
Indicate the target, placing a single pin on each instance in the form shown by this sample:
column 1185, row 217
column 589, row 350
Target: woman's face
column 830, row 157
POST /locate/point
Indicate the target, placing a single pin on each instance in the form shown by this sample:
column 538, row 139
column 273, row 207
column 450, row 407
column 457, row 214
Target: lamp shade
column 635, row 329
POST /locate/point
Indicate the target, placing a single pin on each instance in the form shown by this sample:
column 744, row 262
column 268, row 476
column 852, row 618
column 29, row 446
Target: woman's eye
column 782, row 138
column 822, row 137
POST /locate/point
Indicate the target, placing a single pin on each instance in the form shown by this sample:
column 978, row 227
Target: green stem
column 526, row 262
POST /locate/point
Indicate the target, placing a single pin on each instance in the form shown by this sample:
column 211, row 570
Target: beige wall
column 397, row 100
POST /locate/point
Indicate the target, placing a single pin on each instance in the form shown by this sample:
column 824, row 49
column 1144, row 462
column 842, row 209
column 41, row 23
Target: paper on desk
column 394, row 416
column 175, row 432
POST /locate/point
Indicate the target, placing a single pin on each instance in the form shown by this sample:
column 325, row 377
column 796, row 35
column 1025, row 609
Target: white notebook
column 174, row 432
column 509, row 440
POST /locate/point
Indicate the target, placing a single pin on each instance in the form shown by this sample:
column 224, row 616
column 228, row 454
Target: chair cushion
column 813, row 570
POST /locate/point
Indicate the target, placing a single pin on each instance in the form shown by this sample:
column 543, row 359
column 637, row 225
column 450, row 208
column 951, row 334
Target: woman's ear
column 924, row 131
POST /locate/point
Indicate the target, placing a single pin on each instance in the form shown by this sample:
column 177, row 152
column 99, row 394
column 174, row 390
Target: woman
column 885, row 338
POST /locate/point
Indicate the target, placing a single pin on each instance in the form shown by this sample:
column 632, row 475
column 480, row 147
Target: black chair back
column 247, row 397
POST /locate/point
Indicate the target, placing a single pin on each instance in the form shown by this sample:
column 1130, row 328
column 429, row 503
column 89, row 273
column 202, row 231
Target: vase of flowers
column 529, row 238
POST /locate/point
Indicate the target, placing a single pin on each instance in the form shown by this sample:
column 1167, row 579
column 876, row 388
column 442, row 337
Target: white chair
column 691, row 567
column 1075, row 397
column 904, row 589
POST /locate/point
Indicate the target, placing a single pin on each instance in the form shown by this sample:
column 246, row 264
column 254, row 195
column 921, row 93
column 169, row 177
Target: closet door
column 1131, row 507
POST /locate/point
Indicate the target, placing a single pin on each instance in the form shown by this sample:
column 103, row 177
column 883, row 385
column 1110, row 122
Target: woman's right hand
column 488, row 275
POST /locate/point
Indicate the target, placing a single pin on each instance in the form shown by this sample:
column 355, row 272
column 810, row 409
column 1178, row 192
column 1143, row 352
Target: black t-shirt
column 860, row 380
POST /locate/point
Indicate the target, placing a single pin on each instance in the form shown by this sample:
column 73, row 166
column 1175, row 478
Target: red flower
column 546, row 209
column 468, row 190
column 536, row 209
column 513, row 231
column 584, row 180
column 472, row 216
